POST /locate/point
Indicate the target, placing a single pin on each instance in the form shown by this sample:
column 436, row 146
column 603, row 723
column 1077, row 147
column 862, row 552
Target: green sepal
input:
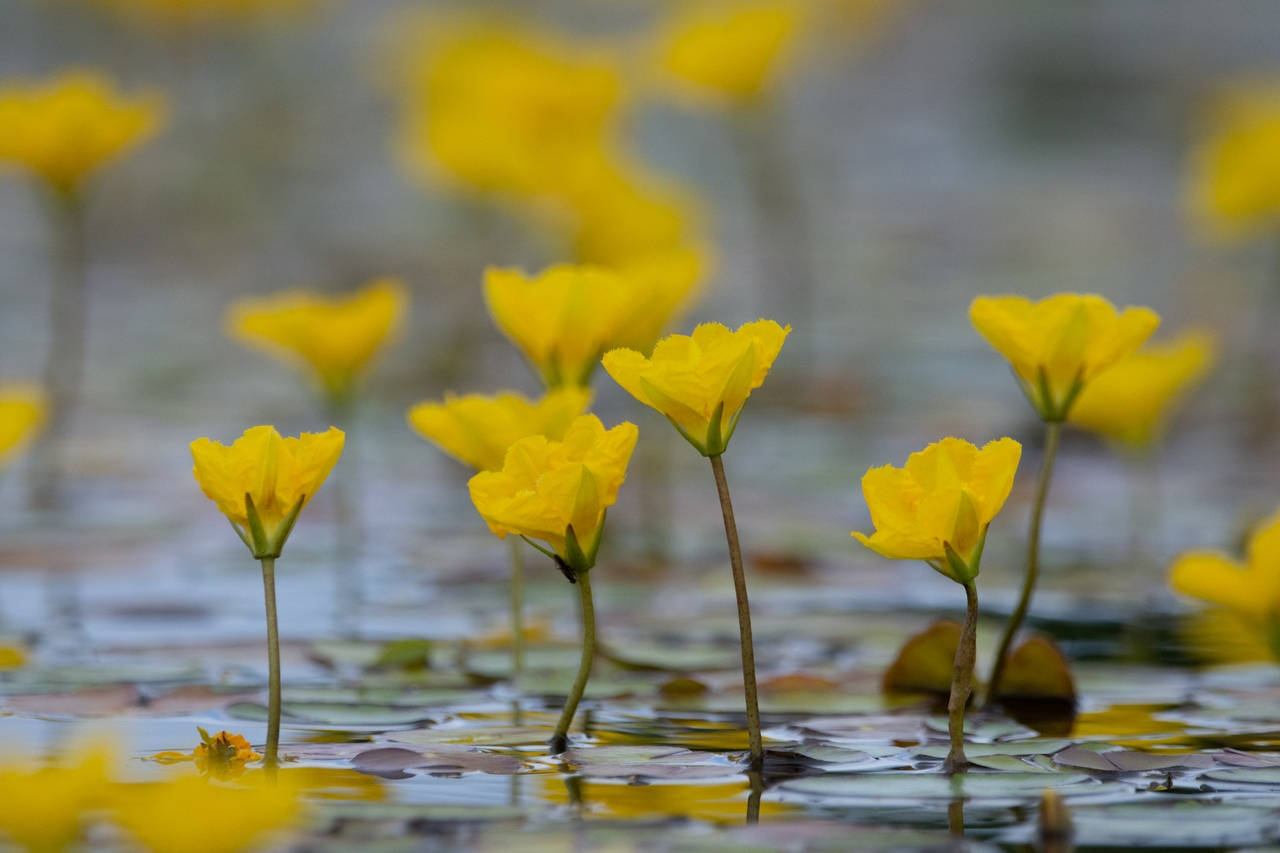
column 715, row 432
column 260, row 545
column 961, row 572
column 578, row 558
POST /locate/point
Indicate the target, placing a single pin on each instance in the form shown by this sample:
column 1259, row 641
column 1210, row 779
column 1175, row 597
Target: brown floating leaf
column 682, row 687
column 88, row 702
column 392, row 761
column 798, row 682
column 1238, row 758
column 1127, row 761
column 1037, row 669
column 926, row 661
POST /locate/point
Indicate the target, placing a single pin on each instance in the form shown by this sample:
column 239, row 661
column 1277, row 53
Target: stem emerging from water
column 560, row 740
column 272, row 762
column 64, row 364
column 517, row 609
column 962, row 682
column 1053, row 431
column 744, row 614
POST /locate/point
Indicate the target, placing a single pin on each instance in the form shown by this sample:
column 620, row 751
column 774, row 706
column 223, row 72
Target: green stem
column 64, row 363
column 962, row 682
column 756, row 779
column 517, row 609
column 560, row 740
column 744, row 614
column 272, row 762
column 1053, row 432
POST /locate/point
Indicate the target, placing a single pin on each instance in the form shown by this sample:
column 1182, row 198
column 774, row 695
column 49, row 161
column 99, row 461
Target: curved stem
column 744, row 614
column 962, row 682
column 64, row 363
column 272, row 762
column 560, row 740
column 1053, row 431
column 517, row 609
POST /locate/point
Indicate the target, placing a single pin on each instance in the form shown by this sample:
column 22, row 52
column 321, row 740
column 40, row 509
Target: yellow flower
column 224, row 755
column 262, row 481
column 558, row 491
column 735, row 51
column 1250, row 589
column 335, row 338
column 44, row 809
column 1129, row 403
column 701, row 381
column 191, row 815
column 477, row 430
column 11, row 656
column 21, row 413
column 1057, row 345
column 1235, row 174
column 69, row 127
column 564, row 318
column 938, row 507
column 499, row 110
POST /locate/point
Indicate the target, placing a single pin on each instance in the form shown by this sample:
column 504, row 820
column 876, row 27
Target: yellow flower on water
column 701, row 381
column 564, row 318
column 500, row 110
column 224, row 755
column 336, row 339
column 733, row 50
column 1250, row 589
column 44, row 809
column 557, row 491
column 67, row 128
column 937, row 508
column 192, row 815
column 477, row 430
column 1130, row 402
column 1235, row 173
column 21, row 413
column 1059, row 344
column 262, row 481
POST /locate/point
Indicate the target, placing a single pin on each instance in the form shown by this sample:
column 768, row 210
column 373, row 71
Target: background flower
column 21, row 413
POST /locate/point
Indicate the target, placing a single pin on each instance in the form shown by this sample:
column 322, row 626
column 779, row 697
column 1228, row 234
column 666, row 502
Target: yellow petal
column 21, row 415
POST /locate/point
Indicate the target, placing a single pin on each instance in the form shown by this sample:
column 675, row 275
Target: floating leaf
column 1247, row 759
column 1037, row 669
column 478, row 736
column 1036, row 746
column 660, row 762
column 1249, row 775
column 929, row 786
column 926, row 661
column 1011, row 763
column 1128, row 761
column 409, row 655
column 666, row 658
column 88, row 702
column 444, row 760
column 336, row 715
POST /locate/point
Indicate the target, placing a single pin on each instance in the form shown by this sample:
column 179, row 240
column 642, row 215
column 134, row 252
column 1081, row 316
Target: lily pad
column 1129, row 761
column 1034, row 746
column 477, row 736
column 657, row 762
column 334, row 715
column 444, row 760
column 935, row 786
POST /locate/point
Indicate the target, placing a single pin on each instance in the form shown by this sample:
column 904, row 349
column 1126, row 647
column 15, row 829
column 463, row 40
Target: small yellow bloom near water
column 1058, row 345
column 937, row 508
column 45, row 809
column 279, row 475
column 558, row 491
column 1249, row 589
column 1234, row 185
column 734, row 51
column 21, row 414
column 477, row 429
column 67, row 128
column 701, row 381
column 335, row 339
column 564, row 318
column 496, row 109
column 1130, row 403
column 192, row 815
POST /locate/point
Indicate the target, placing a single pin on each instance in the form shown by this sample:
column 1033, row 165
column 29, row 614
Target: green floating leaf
column 1248, row 775
column 478, row 736
column 1129, row 761
column 363, row 716
column 1012, row 763
column 935, row 786
column 832, row 754
column 1035, row 746
column 659, row 762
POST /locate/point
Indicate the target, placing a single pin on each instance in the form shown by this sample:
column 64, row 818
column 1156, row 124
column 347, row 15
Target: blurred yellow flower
column 68, row 127
column 21, row 414
column 477, row 430
column 12, row 657
column 564, row 318
column 701, row 381
column 334, row 338
column 732, row 50
column 44, row 809
column 275, row 475
column 499, row 110
column 1251, row 589
column 1234, row 182
column 1059, row 344
column 937, row 508
column 557, row 491
column 1130, row 402
column 192, row 815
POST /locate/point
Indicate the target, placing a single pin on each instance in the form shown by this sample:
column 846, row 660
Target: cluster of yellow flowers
column 49, row 808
